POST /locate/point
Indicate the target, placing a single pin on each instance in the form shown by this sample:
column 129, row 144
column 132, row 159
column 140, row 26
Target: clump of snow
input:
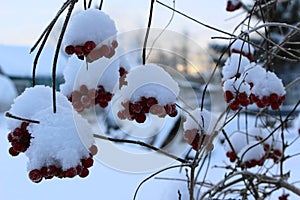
column 236, row 85
column 57, row 139
column 242, row 46
column 238, row 140
column 33, row 100
column 234, row 66
column 90, row 25
column 200, row 120
column 251, row 151
column 150, row 81
column 268, row 85
column 254, row 73
column 8, row 92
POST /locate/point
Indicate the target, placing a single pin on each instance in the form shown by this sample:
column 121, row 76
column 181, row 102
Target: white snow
column 150, row 81
column 234, row 2
column 241, row 45
column 56, row 139
column 270, row 84
column 234, row 64
column 238, row 140
column 233, row 85
column 8, row 92
column 33, row 100
column 90, row 25
column 254, row 73
column 251, row 151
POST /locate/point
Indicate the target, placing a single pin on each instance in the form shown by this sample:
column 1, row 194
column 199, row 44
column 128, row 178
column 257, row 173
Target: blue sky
column 23, row 21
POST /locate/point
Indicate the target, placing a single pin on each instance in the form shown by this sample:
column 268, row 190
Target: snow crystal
column 8, row 92
column 150, row 81
column 268, row 85
column 235, row 85
column 252, row 151
column 57, row 139
column 234, row 64
column 90, row 25
column 33, row 100
column 198, row 118
column 240, row 45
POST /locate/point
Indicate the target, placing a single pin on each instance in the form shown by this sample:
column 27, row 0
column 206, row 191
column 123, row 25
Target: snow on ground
column 107, row 183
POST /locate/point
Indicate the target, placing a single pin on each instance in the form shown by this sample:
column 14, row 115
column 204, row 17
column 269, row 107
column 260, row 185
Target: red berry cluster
column 86, row 98
column 80, row 50
column 19, row 139
column 137, row 111
column 273, row 100
column 270, row 153
column 232, row 7
column 204, row 138
column 122, row 80
column 283, row 197
column 48, row 172
column 236, row 100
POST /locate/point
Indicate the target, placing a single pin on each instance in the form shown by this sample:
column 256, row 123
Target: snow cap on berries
column 90, row 25
column 31, row 101
column 236, row 85
column 238, row 140
column 268, row 85
column 254, row 73
column 150, row 81
column 251, row 151
column 234, row 66
column 242, row 47
column 60, row 139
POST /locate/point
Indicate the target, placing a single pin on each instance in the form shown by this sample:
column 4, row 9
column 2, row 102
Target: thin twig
column 147, row 32
column 141, row 144
column 101, row 4
column 7, row 114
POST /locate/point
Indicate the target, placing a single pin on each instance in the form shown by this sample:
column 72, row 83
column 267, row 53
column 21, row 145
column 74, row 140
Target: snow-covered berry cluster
column 155, row 93
column 198, row 128
column 233, row 5
column 19, row 139
column 99, row 88
column 55, row 143
column 92, row 34
column 249, row 149
column 246, row 82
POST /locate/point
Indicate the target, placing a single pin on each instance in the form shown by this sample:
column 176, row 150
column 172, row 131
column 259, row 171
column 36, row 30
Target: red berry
column 283, row 197
column 151, row 101
column 75, row 96
column 245, row 103
column 234, row 105
column 79, row 50
column 122, row 71
column 260, row 104
column 104, row 50
column 89, row 46
column 242, row 97
column 84, row 173
column 231, row 7
column 275, row 106
column 84, row 90
column 135, row 107
column 114, row 44
column 87, row 163
column 141, row 118
column 71, row 172
column 274, row 98
column 92, row 93
column 228, row 96
column 10, row 137
column 78, row 106
column 70, row 50
column 103, row 104
column 254, row 98
column 35, row 175
column 266, row 100
column 277, row 153
column 173, row 114
column 195, row 143
column 13, row 152
column 86, row 101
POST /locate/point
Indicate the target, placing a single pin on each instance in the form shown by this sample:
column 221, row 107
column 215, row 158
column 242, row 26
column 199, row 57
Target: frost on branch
column 59, row 144
column 95, row 85
column 251, row 148
column 92, row 34
column 198, row 127
column 149, row 89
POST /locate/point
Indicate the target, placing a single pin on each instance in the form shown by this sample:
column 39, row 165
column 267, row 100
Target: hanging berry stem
column 101, row 4
column 71, row 7
column 147, row 32
column 7, row 114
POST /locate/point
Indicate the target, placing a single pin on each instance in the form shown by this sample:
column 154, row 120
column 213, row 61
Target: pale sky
column 22, row 22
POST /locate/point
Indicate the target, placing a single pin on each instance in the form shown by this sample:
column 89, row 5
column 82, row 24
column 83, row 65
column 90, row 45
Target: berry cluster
column 86, row 98
column 122, row 80
column 194, row 138
column 19, row 139
column 48, row 172
column 236, row 101
column 233, row 5
column 270, row 153
column 137, row 110
column 104, row 50
column 273, row 100
column 81, row 50
column 283, row 197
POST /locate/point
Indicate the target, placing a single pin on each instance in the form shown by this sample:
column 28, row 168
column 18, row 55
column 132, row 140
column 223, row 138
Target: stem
column 7, row 114
column 141, row 144
column 101, row 4
column 147, row 32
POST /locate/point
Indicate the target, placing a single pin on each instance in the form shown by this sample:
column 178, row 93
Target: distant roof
column 17, row 61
